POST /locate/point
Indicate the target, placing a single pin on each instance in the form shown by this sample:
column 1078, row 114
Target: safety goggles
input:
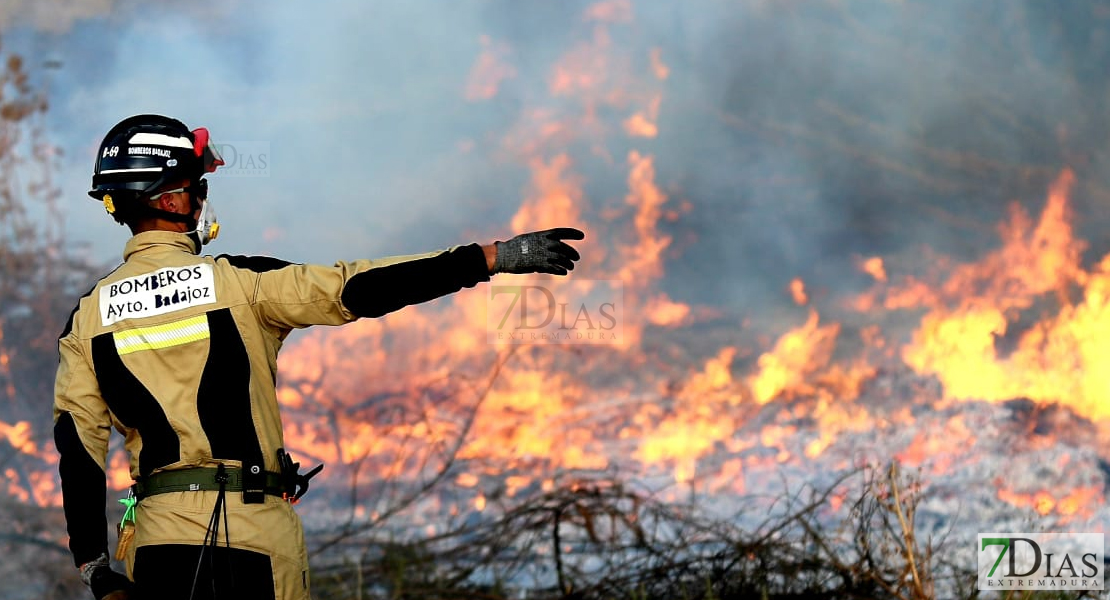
column 159, row 195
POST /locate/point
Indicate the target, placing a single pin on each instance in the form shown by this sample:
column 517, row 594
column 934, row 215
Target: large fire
column 392, row 402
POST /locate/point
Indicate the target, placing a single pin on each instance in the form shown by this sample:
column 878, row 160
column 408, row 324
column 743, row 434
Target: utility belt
column 204, row 479
column 251, row 480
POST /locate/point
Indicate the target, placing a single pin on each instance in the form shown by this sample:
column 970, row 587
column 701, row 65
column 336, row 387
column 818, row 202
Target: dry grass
column 603, row 540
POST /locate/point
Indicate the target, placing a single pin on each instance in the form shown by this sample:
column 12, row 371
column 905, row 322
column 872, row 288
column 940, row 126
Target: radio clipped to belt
column 293, row 483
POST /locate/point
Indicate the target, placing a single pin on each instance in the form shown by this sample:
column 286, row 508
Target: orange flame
column 610, row 11
column 643, row 262
column 797, row 354
column 19, row 436
column 119, row 472
column 695, row 427
column 664, row 312
column 548, row 411
column 489, row 71
column 939, row 448
column 798, row 292
column 1065, row 358
column 584, row 70
column 657, row 65
column 529, row 414
column 642, row 123
column 874, row 267
column 554, row 200
column 5, row 366
column 1078, row 501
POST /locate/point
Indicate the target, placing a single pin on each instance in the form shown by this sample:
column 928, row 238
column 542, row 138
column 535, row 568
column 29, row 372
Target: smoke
column 867, row 128
column 60, row 16
column 55, row 16
column 804, row 135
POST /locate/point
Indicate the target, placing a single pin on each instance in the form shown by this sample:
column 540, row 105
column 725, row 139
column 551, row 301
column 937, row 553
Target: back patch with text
column 156, row 293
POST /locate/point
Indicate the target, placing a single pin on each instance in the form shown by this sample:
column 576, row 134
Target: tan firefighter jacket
column 178, row 352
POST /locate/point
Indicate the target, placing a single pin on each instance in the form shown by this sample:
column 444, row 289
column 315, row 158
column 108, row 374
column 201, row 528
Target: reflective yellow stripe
column 162, row 336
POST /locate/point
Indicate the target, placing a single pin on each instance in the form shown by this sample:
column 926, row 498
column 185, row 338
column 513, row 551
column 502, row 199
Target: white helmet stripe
column 157, row 139
column 144, row 169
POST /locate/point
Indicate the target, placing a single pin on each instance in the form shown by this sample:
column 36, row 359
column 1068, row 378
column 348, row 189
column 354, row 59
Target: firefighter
column 178, row 352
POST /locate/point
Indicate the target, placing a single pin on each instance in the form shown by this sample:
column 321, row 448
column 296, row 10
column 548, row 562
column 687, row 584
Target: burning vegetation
column 699, row 455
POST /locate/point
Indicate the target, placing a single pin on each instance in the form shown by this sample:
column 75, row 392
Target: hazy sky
column 361, row 116
column 802, row 134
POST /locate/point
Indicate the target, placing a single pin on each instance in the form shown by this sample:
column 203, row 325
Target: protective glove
column 538, row 252
column 105, row 583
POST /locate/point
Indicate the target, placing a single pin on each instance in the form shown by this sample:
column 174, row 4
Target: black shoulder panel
column 69, row 322
column 258, row 264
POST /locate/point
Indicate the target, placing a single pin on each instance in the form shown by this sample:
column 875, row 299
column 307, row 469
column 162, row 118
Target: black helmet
column 144, row 152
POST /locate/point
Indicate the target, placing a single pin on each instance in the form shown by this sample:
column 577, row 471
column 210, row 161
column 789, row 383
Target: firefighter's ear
column 167, row 203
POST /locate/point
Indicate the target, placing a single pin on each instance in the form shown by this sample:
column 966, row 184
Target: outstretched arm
column 431, row 277
column 290, row 295
column 384, row 289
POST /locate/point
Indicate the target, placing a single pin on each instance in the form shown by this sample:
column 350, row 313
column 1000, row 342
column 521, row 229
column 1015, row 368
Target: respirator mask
column 207, row 226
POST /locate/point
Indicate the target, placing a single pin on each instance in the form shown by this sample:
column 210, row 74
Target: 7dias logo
column 581, row 311
column 1041, row 561
column 244, row 159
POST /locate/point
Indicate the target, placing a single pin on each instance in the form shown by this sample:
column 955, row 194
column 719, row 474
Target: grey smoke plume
column 60, row 16
column 804, row 135
column 55, row 16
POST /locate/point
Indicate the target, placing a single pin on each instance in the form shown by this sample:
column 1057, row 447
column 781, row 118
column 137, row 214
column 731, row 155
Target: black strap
column 213, row 534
